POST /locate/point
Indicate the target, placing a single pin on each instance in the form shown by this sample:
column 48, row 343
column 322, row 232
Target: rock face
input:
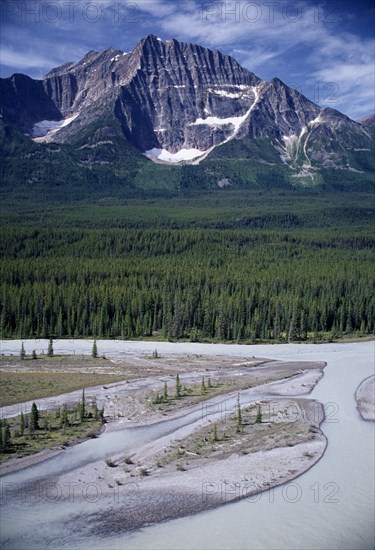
column 24, row 102
column 368, row 120
column 177, row 102
column 174, row 87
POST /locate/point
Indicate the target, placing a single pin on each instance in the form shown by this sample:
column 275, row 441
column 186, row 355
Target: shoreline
column 229, row 343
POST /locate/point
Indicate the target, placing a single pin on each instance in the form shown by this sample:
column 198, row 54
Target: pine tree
column 258, row 418
column 22, row 423
column 64, row 420
column 291, row 326
column 22, row 352
column 33, row 355
column 50, row 348
column 94, row 352
column 34, row 418
column 178, row 386
column 6, row 437
column 82, row 407
column 157, row 399
column 165, row 395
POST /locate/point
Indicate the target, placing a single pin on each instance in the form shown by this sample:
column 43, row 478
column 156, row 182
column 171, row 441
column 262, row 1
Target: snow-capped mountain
column 177, row 103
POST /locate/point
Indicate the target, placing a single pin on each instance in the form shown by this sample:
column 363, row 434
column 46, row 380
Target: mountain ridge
column 176, row 103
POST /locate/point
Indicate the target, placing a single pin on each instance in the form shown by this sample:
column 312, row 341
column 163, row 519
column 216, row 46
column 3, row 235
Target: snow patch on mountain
column 216, row 121
column 236, row 121
column 195, row 155
column 224, row 93
column 317, row 120
column 45, row 128
column 165, row 156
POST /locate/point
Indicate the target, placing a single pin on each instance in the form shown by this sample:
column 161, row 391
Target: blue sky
column 324, row 49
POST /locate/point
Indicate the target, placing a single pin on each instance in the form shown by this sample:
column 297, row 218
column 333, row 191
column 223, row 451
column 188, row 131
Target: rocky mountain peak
column 177, row 102
column 368, row 120
column 59, row 70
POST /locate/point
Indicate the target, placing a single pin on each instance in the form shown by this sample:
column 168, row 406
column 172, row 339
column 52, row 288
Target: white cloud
column 257, row 57
column 157, row 8
column 346, row 61
column 354, row 87
column 26, row 60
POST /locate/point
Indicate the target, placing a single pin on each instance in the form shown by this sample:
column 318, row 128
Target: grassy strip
column 16, row 387
column 193, row 394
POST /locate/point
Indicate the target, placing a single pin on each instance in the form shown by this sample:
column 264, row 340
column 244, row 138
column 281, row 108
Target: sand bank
column 365, row 397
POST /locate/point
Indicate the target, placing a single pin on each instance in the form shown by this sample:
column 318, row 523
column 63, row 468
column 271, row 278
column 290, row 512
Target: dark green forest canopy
column 234, row 265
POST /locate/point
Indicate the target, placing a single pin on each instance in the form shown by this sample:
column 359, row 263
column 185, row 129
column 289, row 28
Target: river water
column 329, row 507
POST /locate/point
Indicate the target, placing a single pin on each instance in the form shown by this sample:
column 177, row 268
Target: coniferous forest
column 241, row 265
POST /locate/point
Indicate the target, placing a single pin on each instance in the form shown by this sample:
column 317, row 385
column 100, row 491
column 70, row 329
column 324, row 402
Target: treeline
column 230, row 285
